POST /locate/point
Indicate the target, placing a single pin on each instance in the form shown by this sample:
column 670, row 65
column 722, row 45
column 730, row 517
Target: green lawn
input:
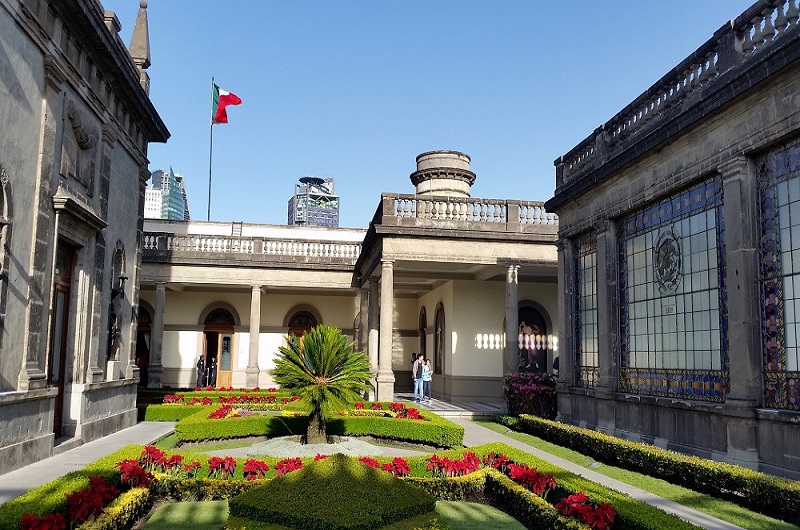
column 474, row 516
column 206, row 515
column 727, row 511
column 212, row 515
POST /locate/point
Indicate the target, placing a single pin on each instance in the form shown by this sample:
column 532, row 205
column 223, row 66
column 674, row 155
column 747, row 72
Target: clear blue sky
column 355, row 90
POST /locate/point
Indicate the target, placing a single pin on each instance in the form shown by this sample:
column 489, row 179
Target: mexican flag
column 221, row 99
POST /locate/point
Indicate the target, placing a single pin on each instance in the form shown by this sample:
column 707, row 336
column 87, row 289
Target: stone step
column 65, row 443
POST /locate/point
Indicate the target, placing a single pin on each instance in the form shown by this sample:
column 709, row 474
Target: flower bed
column 396, row 422
column 505, row 476
column 530, row 393
column 756, row 491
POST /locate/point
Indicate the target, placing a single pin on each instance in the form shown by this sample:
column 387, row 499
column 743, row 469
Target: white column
column 157, row 338
column 511, row 357
column 251, row 373
column 372, row 339
column 385, row 374
column 363, row 312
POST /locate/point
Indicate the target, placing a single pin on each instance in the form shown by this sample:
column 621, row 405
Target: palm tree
column 322, row 369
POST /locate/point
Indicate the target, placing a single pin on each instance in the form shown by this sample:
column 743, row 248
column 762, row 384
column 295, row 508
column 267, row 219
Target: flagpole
column 210, row 151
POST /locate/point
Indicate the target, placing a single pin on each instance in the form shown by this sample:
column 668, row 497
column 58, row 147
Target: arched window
column 302, row 321
column 423, row 323
column 220, row 317
column 438, row 342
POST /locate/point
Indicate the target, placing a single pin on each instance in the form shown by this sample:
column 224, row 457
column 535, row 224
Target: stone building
column 678, row 233
column 436, row 272
column 76, row 121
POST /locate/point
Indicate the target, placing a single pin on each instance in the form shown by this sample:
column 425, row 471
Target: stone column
column 363, row 312
column 566, row 332
column 252, row 371
column 739, row 194
column 157, row 338
column 511, row 356
column 608, row 366
column 373, row 336
column 385, row 374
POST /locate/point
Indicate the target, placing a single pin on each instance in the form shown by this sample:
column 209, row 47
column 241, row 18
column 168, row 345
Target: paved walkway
column 17, row 482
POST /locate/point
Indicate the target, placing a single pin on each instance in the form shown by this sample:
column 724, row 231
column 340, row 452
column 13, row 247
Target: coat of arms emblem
column 667, row 262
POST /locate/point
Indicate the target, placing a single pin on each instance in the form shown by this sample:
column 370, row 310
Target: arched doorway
column 438, row 339
column 143, row 327
column 218, row 333
column 302, row 321
column 533, row 333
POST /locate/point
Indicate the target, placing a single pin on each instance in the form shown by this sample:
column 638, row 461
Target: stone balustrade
column 465, row 213
column 163, row 246
column 755, row 31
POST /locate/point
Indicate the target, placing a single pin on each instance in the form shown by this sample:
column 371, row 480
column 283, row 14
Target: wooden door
column 224, row 359
column 59, row 324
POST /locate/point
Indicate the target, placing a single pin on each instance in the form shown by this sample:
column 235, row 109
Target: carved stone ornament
column 78, row 149
column 667, row 262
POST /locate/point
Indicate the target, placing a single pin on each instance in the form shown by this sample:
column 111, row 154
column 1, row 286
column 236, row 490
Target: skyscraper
column 314, row 203
column 165, row 197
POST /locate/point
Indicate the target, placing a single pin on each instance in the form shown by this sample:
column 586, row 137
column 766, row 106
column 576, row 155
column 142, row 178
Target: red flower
column 272, row 390
column 255, row 469
column 376, row 406
column 398, row 467
column 256, row 389
column 320, row 457
column 222, row 467
column 530, row 478
column 577, row 505
column 288, row 465
column 134, row 474
column 360, row 405
column 499, row 462
column 191, row 469
column 371, row 462
column 284, row 401
column 207, row 401
column 54, row 521
column 220, row 413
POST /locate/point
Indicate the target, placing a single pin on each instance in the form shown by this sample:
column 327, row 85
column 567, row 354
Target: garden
column 194, row 478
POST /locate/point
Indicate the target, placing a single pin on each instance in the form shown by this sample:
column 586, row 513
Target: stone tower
column 443, row 173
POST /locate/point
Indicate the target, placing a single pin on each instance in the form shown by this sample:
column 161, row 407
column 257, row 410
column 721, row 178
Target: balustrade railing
column 265, row 248
column 755, row 30
column 496, row 211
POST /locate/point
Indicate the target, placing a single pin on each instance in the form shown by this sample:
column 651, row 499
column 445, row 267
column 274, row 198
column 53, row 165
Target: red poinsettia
column 255, row 469
column 376, row 406
column 577, row 505
column 498, row 462
column 398, row 467
column 371, row 462
column 191, row 469
column 288, row 465
column 83, row 504
column 133, row 474
column 359, row 405
column 222, row 467
column 320, row 457
column 220, row 413
column 54, row 521
column 538, row 483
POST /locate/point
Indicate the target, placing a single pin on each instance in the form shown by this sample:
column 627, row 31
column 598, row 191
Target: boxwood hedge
column 753, row 490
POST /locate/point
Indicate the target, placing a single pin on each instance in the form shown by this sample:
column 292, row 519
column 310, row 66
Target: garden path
column 15, row 483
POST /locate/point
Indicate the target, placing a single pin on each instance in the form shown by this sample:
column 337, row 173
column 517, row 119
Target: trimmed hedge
column 170, row 412
column 123, row 511
column 762, row 493
column 436, row 431
column 631, row 514
column 198, row 427
column 337, row 493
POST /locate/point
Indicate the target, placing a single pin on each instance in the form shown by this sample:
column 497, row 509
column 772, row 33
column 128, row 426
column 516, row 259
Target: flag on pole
column 222, row 98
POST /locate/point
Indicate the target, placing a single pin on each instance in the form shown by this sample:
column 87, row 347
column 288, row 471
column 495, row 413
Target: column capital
column 387, row 263
column 512, row 274
column 255, row 288
column 734, row 167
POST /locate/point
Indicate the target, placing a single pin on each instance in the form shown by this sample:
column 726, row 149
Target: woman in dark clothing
column 201, row 371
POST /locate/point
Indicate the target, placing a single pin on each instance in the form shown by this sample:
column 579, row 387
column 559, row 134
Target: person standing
column 427, row 375
column 212, row 372
column 416, row 374
column 201, row 370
